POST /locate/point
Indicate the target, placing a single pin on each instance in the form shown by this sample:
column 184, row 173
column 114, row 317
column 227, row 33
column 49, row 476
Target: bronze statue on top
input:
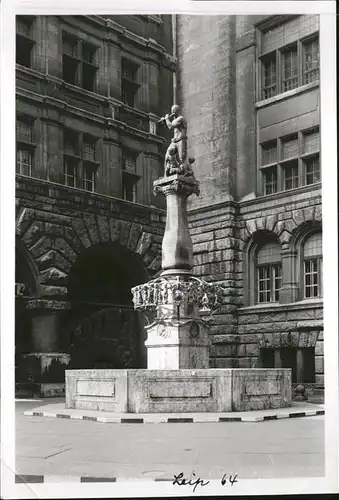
column 176, row 161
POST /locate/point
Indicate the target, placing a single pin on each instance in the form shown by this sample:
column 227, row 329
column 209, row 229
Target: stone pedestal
column 46, row 372
column 43, row 370
column 179, row 344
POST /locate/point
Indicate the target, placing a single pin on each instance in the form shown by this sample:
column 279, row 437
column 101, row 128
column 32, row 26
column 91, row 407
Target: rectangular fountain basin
column 178, row 391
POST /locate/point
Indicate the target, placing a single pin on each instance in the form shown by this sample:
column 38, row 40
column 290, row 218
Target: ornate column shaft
column 177, row 250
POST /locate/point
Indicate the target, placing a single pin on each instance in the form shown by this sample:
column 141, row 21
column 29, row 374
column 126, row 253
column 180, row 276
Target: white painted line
column 206, row 419
column 28, row 413
column 76, row 417
column 48, row 414
column 111, row 420
column 19, row 400
column 283, row 415
column 133, row 479
column 252, row 419
column 157, row 420
column 310, row 413
column 61, row 479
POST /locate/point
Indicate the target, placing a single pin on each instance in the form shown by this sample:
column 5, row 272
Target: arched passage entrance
column 104, row 331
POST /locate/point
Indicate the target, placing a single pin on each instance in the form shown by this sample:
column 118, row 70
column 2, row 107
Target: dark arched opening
column 103, row 329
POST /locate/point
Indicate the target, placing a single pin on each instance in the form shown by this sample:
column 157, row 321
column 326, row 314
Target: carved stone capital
column 163, row 291
column 177, row 184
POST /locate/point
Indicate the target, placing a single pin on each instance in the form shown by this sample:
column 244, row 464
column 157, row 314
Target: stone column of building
column 47, row 51
column 206, row 89
column 45, row 366
column 245, row 105
column 151, row 171
column 207, row 96
column 110, row 68
column 50, row 144
column 290, row 289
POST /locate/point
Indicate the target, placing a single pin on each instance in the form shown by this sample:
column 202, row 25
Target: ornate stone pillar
column 178, row 338
column 45, row 366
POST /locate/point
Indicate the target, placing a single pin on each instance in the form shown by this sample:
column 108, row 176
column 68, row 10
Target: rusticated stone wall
column 55, row 224
column 222, row 237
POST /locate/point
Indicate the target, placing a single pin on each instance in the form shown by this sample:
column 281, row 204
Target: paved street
column 270, row 449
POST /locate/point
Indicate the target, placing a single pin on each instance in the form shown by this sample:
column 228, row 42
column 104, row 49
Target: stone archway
column 102, row 327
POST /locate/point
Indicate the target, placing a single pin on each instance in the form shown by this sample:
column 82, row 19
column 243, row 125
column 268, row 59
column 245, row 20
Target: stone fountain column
column 178, row 338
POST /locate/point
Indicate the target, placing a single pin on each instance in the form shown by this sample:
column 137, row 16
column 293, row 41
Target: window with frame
column 311, row 62
column 311, row 156
column 24, row 145
column 301, row 360
column 90, row 164
column 270, row 180
column 129, row 82
column 70, row 172
column 312, row 266
column 268, row 272
column 89, row 178
column 129, row 176
column 24, row 40
column 290, row 68
column 269, row 76
column 290, row 161
column 289, row 65
column 79, row 62
column 80, row 165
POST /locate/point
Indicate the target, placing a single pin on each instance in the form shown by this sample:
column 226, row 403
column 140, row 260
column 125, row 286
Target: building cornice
column 272, row 21
column 57, row 194
column 106, row 101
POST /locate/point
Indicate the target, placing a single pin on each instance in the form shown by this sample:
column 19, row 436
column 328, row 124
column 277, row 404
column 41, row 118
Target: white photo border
column 327, row 11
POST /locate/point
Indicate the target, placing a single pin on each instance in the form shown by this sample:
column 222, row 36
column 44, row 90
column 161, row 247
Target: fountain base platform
column 178, row 391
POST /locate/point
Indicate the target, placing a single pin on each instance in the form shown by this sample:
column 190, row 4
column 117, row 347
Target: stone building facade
column 90, row 91
column 254, row 118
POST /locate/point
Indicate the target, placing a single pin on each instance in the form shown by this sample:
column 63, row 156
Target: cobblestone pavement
column 270, row 449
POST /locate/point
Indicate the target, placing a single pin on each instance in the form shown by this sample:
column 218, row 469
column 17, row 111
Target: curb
column 32, row 478
column 179, row 420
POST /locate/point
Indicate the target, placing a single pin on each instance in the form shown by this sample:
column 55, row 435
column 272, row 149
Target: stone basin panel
column 178, row 391
column 258, row 389
column 104, row 390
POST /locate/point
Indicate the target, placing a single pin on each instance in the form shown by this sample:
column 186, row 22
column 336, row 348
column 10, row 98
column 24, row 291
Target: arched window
column 268, row 272
column 312, row 266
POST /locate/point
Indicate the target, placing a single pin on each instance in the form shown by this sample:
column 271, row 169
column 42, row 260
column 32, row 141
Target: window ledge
column 301, row 304
column 286, row 95
column 282, row 194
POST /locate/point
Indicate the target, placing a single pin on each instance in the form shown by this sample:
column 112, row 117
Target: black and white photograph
column 169, row 230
